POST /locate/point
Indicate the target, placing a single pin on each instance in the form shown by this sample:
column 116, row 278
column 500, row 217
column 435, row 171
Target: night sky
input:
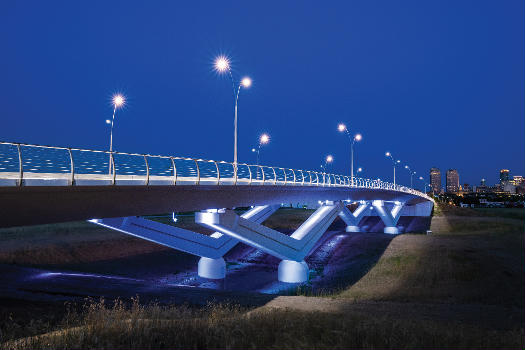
column 437, row 83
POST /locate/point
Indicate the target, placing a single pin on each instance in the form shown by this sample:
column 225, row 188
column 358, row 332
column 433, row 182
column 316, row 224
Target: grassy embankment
column 461, row 287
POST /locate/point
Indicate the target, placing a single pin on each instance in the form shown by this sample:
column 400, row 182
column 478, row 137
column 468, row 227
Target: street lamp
column 357, row 137
column 425, row 184
column 222, row 65
column 118, row 101
column 412, row 173
column 263, row 140
column 328, row 160
column 394, row 163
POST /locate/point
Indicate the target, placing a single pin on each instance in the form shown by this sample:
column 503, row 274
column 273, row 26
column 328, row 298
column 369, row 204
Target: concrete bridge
column 44, row 184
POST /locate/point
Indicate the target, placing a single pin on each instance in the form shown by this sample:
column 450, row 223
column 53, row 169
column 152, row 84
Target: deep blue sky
column 437, row 83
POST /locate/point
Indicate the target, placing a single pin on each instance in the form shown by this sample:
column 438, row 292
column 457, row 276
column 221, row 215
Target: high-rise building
column 518, row 180
column 503, row 176
column 435, row 180
column 452, row 181
column 467, row 188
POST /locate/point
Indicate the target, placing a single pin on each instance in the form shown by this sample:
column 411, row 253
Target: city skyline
column 505, row 179
column 64, row 75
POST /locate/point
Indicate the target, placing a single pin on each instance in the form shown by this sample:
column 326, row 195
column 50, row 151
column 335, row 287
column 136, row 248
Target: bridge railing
column 37, row 165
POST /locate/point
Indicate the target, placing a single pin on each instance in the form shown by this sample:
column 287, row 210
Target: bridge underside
column 231, row 228
column 120, row 207
column 33, row 205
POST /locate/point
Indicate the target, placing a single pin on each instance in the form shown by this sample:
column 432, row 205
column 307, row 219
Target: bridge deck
column 31, row 205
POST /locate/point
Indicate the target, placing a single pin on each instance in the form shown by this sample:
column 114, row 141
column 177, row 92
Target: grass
column 461, row 287
column 512, row 213
column 70, row 242
column 99, row 326
column 473, row 260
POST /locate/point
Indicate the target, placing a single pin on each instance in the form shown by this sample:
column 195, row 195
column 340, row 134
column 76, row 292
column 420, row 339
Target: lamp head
column 118, row 100
column 341, row 127
column 387, row 154
column 246, row 82
column 358, row 137
column 329, row 159
column 222, row 64
column 264, row 139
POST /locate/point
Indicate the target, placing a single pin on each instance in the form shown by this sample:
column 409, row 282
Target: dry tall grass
column 100, row 326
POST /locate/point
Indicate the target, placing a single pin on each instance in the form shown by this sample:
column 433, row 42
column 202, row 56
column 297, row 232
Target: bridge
column 45, row 184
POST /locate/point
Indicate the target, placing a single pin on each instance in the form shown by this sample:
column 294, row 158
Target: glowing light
column 264, row 139
column 108, row 121
column 387, row 154
column 359, row 170
column 398, row 161
column 246, row 82
column 222, row 64
column 341, row 127
column 358, row 137
column 329, row 159
column 254, row 150
column 406, row 166
column 421, row 177
column 118, row 100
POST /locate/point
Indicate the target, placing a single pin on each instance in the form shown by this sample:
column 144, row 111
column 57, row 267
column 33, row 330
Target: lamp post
column 263, row 140
column 328, row 160
column 118, row 101
column 424, row 184
column 412, row 173
column 222, row 65
column 394, row 163
column 357, row 137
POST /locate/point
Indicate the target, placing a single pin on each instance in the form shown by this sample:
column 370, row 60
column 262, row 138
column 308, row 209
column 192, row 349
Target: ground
column 461, row 286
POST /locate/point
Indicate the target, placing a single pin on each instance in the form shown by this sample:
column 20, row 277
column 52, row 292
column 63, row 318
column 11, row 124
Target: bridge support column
column 291, row 249
column 211, row 248
column 290, row 271
column 352, row 219
column 389, row 217
column 212, row 268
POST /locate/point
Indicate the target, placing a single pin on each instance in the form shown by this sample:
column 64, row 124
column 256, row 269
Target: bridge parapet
column 36, row 165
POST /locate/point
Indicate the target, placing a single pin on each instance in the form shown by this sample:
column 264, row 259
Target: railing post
column 198, row 173
column 317, row 178
column 262, row 171
column 218, row 173
column 174, row 171
column 250, row 171
column 20, row 166
column 235, row 173
column 285, row 178
column 72, row 167
column 112, row 160
column 147, row 170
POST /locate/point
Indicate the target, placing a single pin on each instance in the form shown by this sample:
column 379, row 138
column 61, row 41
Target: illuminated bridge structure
column 44, row 184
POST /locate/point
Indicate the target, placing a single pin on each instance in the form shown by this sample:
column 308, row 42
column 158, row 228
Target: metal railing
column 36, row 165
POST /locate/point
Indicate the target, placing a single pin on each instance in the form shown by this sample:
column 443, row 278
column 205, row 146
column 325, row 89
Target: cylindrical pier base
column 212, row 268
column 353, row 229
column 391, row 230
column 293, row 271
